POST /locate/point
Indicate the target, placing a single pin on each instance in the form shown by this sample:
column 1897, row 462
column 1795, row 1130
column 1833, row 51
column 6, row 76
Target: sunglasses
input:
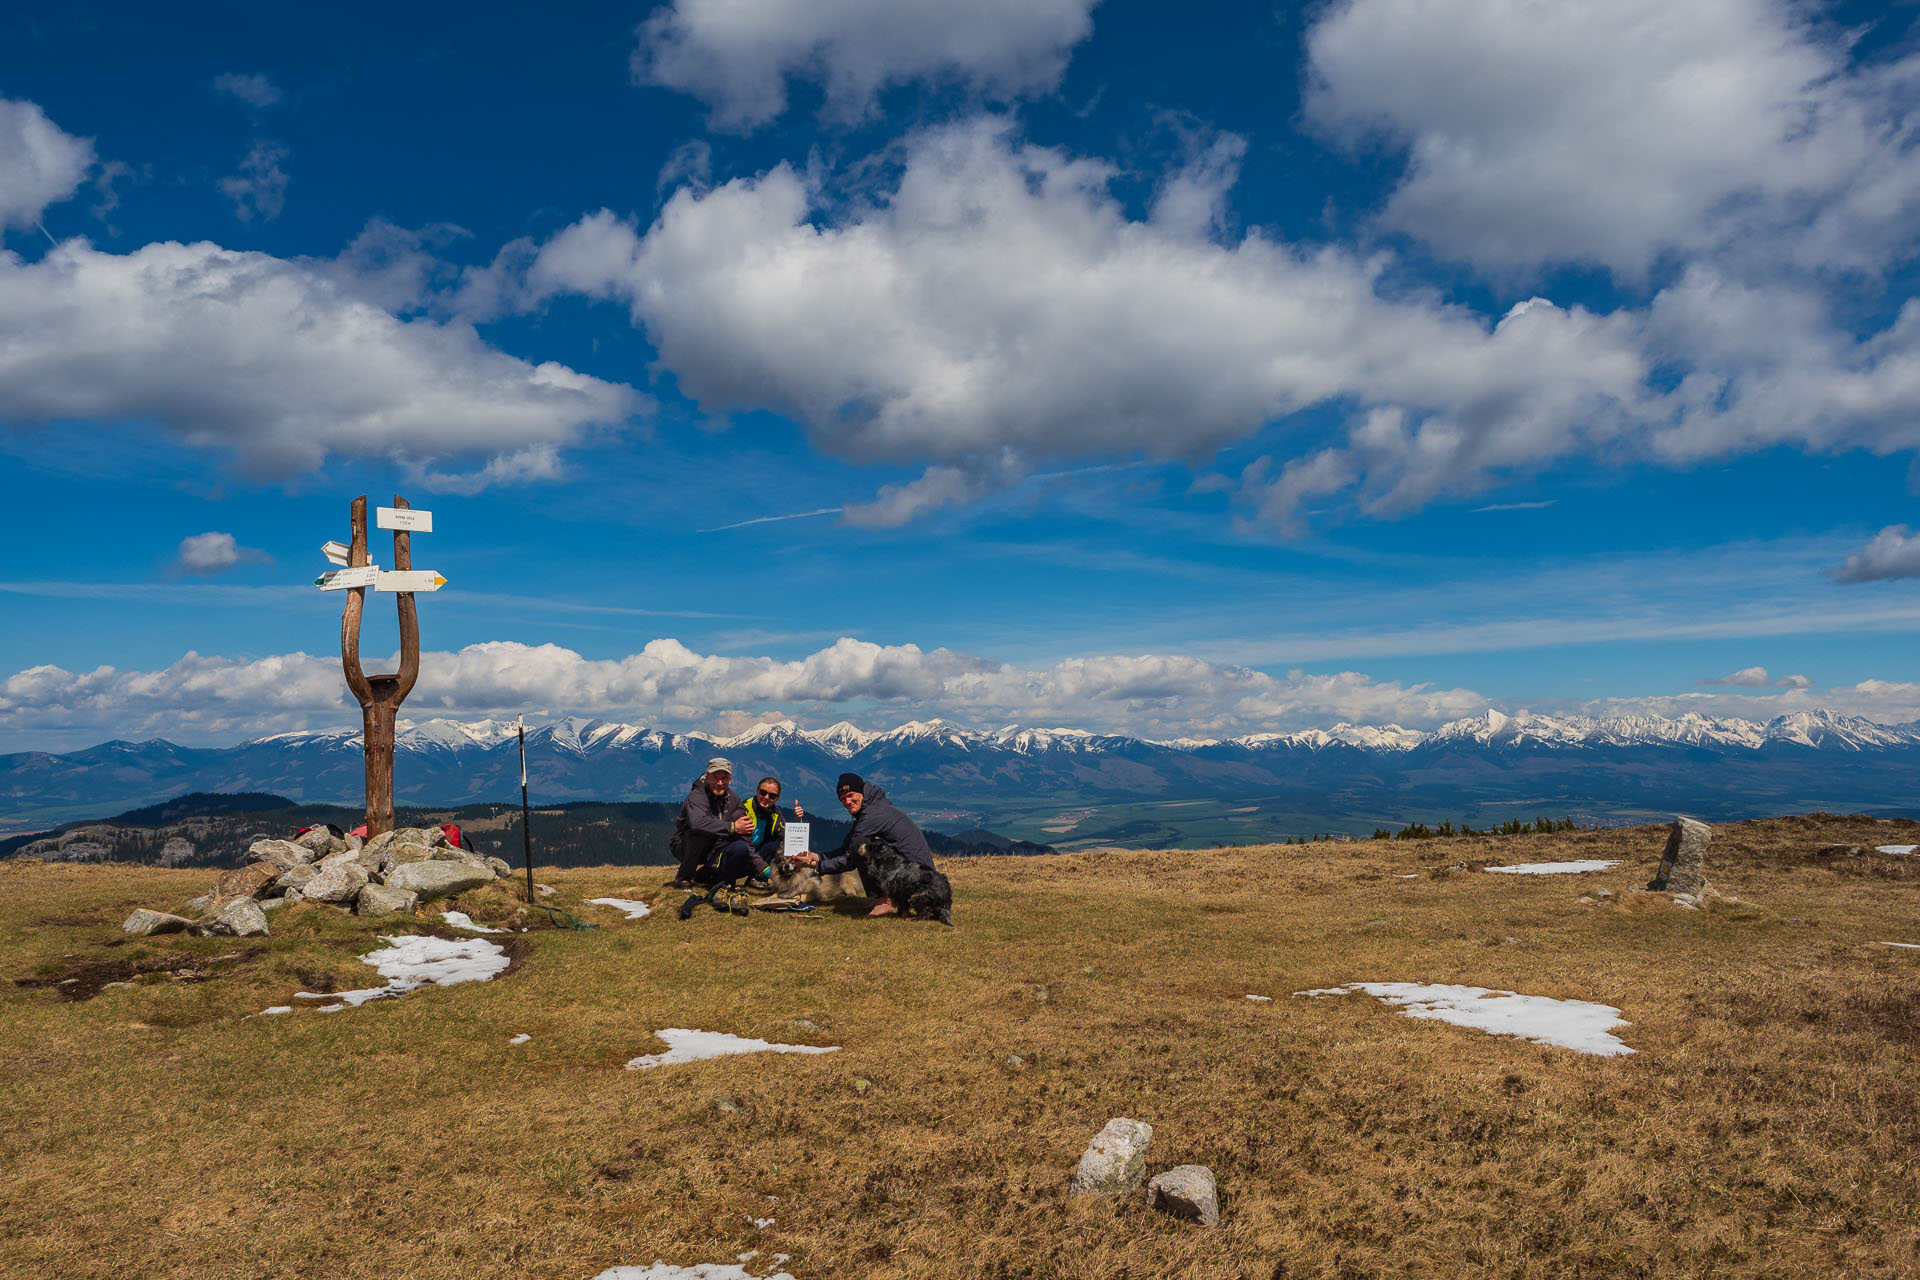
column 767, row 795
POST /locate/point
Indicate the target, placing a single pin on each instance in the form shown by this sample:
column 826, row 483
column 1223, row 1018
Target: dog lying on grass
column 914, row 890
column 794, row 883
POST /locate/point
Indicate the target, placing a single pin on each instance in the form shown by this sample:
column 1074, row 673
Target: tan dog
column 794, row 883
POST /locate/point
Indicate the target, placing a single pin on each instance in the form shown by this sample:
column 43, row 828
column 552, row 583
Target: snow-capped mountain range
column 1807, row 760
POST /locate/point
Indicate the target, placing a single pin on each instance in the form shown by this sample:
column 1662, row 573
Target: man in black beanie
column 874, row 818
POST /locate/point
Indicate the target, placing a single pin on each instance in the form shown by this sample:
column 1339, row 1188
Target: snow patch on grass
column 634, row 910
column 699, row 1271
column 461, row 920
column 1260, row 999
column 1556, row 868
column 522, row 1038
column 1904, row 946
column 684, row 1045
column 1897, row 848
column 1571, row 1024
column 408, row 963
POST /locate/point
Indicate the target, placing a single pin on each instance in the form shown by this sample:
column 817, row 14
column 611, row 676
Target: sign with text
column 797, row 835
column 337, row 552
column 409, row 580
column 406, row 518
column 341, row 579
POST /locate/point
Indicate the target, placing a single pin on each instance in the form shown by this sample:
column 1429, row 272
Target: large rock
column 144, row 922
column 321, row 841
column 281, row 853
column 296, row 877
column 237, row 917
column 250, row 881
column 1186, row 1191
column 384, row 900
column 1115, row 1162
column 339, row 878
column 1683, row 864
column 438, row 879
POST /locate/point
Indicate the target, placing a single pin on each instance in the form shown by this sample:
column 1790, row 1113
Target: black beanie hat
column 850, row 782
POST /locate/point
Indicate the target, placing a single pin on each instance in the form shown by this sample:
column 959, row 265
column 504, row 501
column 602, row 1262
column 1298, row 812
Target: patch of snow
column 461, row 920
column 1261, row 999
column 1897, row 848
column 691, row 1046
column 1907, row 946
column 330, row 1008
column 1411, row 875
column 522, row 1038
column 1572, row 1024
column 634, row 910
column 762, row 1223
column 1557, row 868
column 546, row 890
column 279, row 1008
column 699, row 1271
column 408, row 963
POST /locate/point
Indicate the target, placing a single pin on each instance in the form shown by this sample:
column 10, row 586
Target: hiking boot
column 739, row 903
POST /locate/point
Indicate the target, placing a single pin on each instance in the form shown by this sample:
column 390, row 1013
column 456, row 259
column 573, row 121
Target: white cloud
column 1747, row 677
column 1893, row 553
column 203, row 554
column 1617, row 133
column 1794, row 682
column 259, row 190
column 271, row 360
column 667, row 682
column 40, row 165
column 738, row 55
column 996, row 307
column 255, row 90
column 1881, row 701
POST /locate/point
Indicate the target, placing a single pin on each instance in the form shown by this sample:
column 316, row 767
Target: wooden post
column 379, row 696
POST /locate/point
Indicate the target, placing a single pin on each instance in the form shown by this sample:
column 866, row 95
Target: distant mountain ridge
column 1728, row 766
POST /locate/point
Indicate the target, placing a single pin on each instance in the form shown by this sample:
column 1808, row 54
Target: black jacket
column 879, row 818
column 705, row 820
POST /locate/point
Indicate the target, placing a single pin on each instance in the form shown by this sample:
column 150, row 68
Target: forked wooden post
column 379, row 696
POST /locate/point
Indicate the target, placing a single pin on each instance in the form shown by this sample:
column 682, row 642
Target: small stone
column 250, row 881
column 545, row 890
column 1015, row 1060
column 118, row 986
column 1115, row 1162
column 806, row 1024
column 339, row 879
column 437, row 879
column 384, row 900
column 500, row 867
column 239, row 918
column 1603, row 894
column 1186, row 1191
column 1840, row 851
column 727, row 1107
column 144, row 923
column 281, row 853
column 273, row 904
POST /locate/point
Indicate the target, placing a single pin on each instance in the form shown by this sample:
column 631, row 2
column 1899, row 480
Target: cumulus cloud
column 40, row 165
column 668, row 682
column 1621, row 132
column 255, row 90
column 204, row 554
column 1893, row 553
column 259, row 190
column 738, row 55
column 272, row 361
column 1747, row 677
column 1795, row 682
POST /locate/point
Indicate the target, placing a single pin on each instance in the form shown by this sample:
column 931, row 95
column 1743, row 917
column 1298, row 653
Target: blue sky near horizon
column 1251, row 369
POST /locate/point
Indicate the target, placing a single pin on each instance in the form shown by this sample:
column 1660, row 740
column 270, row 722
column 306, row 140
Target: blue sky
column 1044, row 362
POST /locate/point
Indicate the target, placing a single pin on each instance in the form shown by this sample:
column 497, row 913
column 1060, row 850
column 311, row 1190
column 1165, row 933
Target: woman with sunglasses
column 769, row 830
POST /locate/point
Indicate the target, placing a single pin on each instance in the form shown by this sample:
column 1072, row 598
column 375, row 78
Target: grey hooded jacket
column 879, row 818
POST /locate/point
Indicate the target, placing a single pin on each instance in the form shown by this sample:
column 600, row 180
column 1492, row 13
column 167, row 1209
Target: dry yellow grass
column 1766, row 1126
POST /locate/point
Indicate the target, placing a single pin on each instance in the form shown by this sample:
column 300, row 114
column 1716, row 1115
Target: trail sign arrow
column 365, row 575
column 411, row 519
column 337, row 552
column 409, row 580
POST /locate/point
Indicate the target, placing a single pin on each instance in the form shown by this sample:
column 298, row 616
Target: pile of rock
column 392, row 872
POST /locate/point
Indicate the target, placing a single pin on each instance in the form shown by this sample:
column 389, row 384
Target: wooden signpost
column 380, row 696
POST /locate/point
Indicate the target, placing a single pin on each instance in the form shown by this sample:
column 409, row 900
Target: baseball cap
column 719, row 764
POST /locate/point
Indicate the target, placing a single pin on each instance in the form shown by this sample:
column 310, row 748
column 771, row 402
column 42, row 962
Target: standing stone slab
column 1683, row 866
column 437, row 879
column 238, row 917
column 1186, row 1191
column 1115, row 1162
column 143, row 923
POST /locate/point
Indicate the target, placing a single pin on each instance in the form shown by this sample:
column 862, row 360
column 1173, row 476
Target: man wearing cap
column 713, row 829
column 874, row 818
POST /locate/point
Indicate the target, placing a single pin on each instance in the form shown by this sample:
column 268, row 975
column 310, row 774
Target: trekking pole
column 526, row 815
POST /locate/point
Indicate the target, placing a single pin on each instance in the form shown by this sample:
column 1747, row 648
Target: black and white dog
column 914, row 889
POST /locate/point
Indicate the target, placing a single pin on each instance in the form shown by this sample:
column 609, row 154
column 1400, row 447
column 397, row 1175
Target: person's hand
column 799, row 814
column 807, row 859
column 743, row 824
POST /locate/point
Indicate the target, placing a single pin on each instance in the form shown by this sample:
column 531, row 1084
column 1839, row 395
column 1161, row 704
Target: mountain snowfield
column 1820, row 729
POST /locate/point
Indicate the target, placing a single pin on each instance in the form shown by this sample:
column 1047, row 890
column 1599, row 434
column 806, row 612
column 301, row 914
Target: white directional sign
column 407, row 518
column 337, row 552
column 365, row 575
column 410, row 580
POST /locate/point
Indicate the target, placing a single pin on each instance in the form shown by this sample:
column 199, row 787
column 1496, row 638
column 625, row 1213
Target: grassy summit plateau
column 1765, row 1126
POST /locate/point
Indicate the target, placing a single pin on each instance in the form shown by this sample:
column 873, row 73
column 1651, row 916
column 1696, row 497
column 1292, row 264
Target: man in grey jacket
column 713, row 828
column 874, row 817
